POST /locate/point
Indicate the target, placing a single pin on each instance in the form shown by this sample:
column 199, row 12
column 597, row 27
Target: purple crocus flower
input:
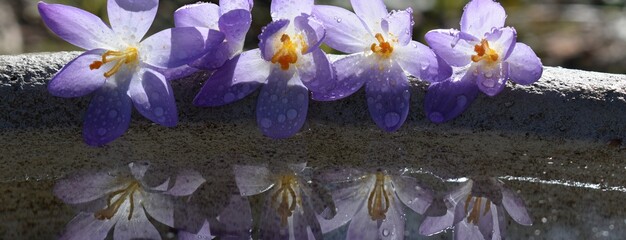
column 121, row 199
column 373, row 203
column 121, row 69
column 476, row 210
column 381, row 50
column 485, row 55
column 289, row 211
column 287, row 65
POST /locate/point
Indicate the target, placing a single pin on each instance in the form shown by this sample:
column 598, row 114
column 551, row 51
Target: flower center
column 474, row 215
column 288, row 52
column 123, row 194
column 484, row 52
column 288, row 198
column 128, row 56
column 378, row 200
column 383, row 48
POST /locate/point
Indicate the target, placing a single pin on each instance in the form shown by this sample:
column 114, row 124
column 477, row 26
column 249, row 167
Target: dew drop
column 229, row 97
column 392, row 119
column 292, row 114
column 281, row 118
column 339, row 20
column 461, row 100
column 112, row 114
column 488, row 75
column 158, row 111
column 385, row 232
column 274, row 98
column 436, row 117
column 490, row 83
column 379, row 106
column 406, row 94
column 266, row 123
column 102, row 131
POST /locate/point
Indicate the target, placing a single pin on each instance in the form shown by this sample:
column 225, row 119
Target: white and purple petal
column 446, row 100
column 411, row 193
column 503, row 40
column 453, row 46
column 354, row 71
column 289, row 9
column 524, row 65
column 108, row 114
column 76, row 79
column 138, row 227
column 400, row 25
column 235, row 25
column 252, row 180
column 200, row 14
column 421, row 62
column 372, row 12
column 268, row 39
column 315, row 71
column 362, row 226
column 392, row 227
column 344, row 30
column 486, row 220
column 388, row 97
column 85, row 187
column 480, row 16
column 313, row 30
column 186, row 183
column 229, row 5
column 178, row 46
column 491, row 81
column 160, row 207
column 153, row 97
column 86, row 226
column 131, row 19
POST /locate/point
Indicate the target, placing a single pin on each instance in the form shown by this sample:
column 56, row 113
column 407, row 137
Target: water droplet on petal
column 274, row 98
column 461, row 100
column 266, row 123
column 490, row 83
column 392, row 119
column 436, row 117
column 281, row 118
column 158, row 111
column 292, row 114
column 385, row 232
column 488, row 74
column 112, row 114
column 229, row 97
column 102, row 131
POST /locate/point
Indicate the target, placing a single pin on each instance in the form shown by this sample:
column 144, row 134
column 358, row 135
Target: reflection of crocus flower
column 486, row 54
column 381, row 50
column 373, row 203
column 122, row 199
column 119, row 67
column 476, row 210
column 203, row 234
column 287, row 64
column 288, row 212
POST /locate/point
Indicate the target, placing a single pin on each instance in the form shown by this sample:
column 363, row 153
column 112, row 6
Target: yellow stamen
column 288, row 52
column 474, row 215
column 377, row 209
column 383, row 48
column 128, row 56
column 286, row 192
column 484, row 52
column 111, row 209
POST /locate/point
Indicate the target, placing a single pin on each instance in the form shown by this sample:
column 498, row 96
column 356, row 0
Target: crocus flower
column 476, row 210
column 381, row 50
column 485, row 55
column 290, row 207
column 121, row 199
column 372, row 203
column 287, row 65
column 120, row 68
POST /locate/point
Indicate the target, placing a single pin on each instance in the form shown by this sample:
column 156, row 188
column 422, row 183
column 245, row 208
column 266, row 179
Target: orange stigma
column 383, row 48
column 484, row 52
column 378, row 200
column 288, row 52
column 128, row 56
column 286, row 193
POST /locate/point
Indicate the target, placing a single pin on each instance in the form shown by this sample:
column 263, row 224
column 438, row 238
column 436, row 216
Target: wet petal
column 289, row 9
column 412, row 194
column 344, row 30
column 421, row 62
column 178, row 46
column 347, row 202
column 154, row 98
column 447, row 100
column 466, row 231
column 200, row 14
column 76, row 79
column 362, row 226
column 268, row 38
column 215, row 57
column 485, row 224
column 315, row 71
column 86, row 226
column 138, row 227
column 400, row 25
column 371, row 11
column 160, row 207
column 434, row 225
column 78, row 27
column 234, row 80
column 85, row 187
column 480, row 16
column 229, row 5
column 235, row 25
column 524, row 65
column 108, row 114
column 503, row 40
column 282, row 105
column 453, row 46
column 515, row 207
column 186, row 183
column 171, row 74
column 354, row 71
column 252, row 180
column 313, row 30
column 393, row 226
column 460, row 214
column 237, row 217
column 388, row 97
column 131, row 19
column 204, row 233
column 492, row 81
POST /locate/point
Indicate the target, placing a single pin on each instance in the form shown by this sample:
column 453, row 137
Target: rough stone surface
column 567, row 128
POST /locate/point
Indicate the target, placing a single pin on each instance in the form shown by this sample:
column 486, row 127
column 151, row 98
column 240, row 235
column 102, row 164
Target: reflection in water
column 476, row 210
column 204, row 233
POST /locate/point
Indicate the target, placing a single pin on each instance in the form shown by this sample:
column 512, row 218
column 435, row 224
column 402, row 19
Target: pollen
column 474, row 215
column 484, row 52
column 378, row 200
column 288, row 51
column 383, row 48
column 287, row 196
column 123, row 194
column 129, row 56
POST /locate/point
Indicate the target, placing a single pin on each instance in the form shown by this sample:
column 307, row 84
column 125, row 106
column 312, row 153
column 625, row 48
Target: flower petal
column 235, row 25
column 421, row 62
column 236, row 218
column 175, row 47
column 268, row 39
column 282, row 105
column 78, row 27
column 393, row 226
column 453, row 46
column 480, row 16
column 171, row 74
column 347, row 202
column 315, row 71
column 252, row 180
column 524, row 65
column 85, row 187
column 313, row 29
column 446, row 100
column 131, row 19
column 86, row 226
column 400, row 25
column 435, row 225
column 229, row 5
column 466, row 231
column 76, row 79
column 186, row 183
column 412, row 194
column 204, row 233
column 485, row 223
column 270, row 226
column 492, row 81
column 354, row 71
column 344, row 30
column 154, row 98
column 371, row 11
column 289, row 9
column 362, row 226
column 234, row 80
column 516, row 208
column 503, row 40
column 160, row 207
column 108, row 114
column 138, row 227
column 200, row 14
column 388, row 97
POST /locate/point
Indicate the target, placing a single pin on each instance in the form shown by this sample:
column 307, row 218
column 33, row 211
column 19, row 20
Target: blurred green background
column 581, row 34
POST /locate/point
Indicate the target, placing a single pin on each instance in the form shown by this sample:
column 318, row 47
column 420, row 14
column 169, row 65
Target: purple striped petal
column 201, row 14
column 345, row 32
column 400, row 24
column 453, row 46
column 78, row 27
column 131, row 19
column 108, row 114
column 388, row 97
column 480, row 16
column 371, row 11
column 315, row 71
column 234, row 80
column 178, row 46
column 524, row 65
column 421, row 62
column 354, row 71
column 76, row 79
column 268, row 38
column 289, row 9
column 154, row 98
column 446, row 100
